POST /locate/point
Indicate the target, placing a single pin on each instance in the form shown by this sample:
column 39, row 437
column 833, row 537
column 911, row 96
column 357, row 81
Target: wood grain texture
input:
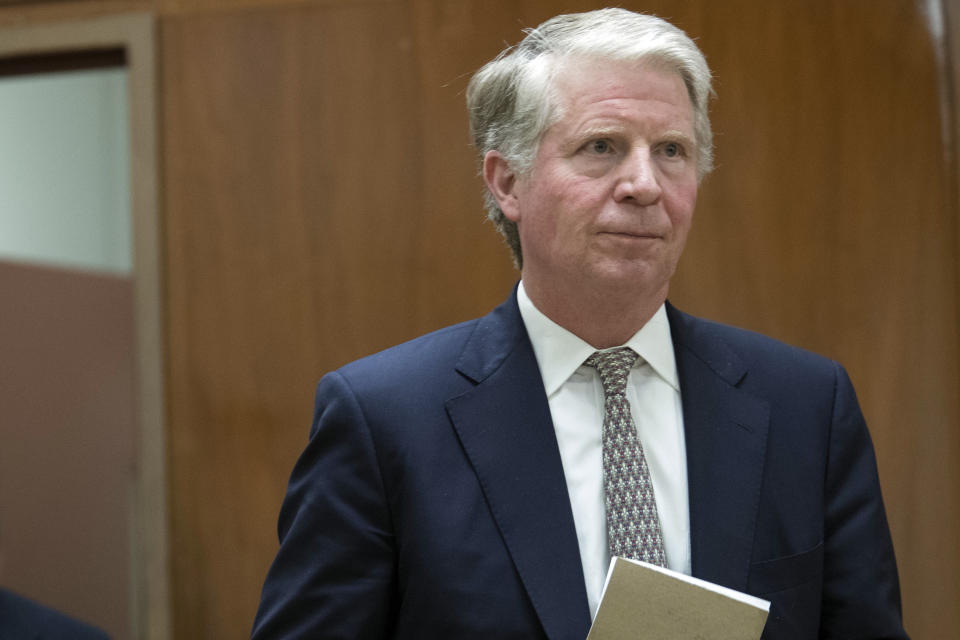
column 298, row 239
column 42, row 11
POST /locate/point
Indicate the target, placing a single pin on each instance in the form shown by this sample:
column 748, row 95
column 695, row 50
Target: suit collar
column 726, row 437
column 701, row 339
column 495, row 337
column 506, row 430
column 505, row 427
column 560, row 353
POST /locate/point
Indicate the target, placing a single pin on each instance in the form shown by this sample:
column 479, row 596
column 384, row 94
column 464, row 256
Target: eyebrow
column 600, row 131
column 680, row 136
column 595, row 131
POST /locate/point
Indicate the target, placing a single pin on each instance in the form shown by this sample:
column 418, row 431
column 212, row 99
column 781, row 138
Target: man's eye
column 600, row 146
column 672, row 150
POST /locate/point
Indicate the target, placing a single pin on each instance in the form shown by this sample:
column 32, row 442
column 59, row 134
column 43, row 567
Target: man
column 474, row 483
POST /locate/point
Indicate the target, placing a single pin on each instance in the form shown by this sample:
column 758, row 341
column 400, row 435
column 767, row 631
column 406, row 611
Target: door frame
column 149, row 580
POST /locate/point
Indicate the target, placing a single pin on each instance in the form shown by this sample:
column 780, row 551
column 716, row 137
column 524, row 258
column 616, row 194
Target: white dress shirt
column 575, row 396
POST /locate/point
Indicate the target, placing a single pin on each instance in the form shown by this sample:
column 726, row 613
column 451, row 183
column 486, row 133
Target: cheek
column 554, row 211
column 537, row 226
column 680, row 205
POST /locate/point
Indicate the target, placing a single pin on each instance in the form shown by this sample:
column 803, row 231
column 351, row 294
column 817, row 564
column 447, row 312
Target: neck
column 600, row 318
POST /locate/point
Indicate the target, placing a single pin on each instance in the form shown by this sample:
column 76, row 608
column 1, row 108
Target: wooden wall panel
column 298, row 151
column 43, row 11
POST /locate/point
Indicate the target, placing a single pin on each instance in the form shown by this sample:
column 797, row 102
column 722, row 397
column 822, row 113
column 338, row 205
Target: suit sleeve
column 861, row 594
column 334, row 574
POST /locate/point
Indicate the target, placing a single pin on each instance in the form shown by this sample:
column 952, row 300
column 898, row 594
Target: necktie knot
column 614, row 366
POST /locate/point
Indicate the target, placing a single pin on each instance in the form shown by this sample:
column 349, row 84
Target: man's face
column 610, row 197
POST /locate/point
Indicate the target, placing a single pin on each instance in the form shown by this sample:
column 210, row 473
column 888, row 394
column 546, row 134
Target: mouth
column 632, row 235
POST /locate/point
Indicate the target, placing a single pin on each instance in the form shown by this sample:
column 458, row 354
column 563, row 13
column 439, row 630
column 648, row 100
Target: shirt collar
column 560, row 353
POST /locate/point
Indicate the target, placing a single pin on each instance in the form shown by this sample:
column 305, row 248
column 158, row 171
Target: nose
column 638, row 180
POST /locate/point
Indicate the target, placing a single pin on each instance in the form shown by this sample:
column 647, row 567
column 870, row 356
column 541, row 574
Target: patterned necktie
column 633, row 526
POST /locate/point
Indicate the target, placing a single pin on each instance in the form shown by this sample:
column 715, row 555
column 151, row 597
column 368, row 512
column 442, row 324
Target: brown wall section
column 321, row 203
column 276, row 229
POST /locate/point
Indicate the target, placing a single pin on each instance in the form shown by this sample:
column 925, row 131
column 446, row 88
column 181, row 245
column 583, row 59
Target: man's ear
column 502, row 183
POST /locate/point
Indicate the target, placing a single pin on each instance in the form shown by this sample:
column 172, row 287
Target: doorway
column 83, row 524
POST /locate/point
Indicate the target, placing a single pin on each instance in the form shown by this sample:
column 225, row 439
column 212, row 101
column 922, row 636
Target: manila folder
column 641, row 600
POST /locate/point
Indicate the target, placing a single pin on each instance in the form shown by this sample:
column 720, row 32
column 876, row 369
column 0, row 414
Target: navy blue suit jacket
column 430, row 501
column 24, row 619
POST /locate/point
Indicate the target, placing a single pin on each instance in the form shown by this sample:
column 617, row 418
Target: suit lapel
column 726, row 438
column 505, row 427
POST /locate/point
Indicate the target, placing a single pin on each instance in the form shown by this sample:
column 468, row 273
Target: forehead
column 585, row 86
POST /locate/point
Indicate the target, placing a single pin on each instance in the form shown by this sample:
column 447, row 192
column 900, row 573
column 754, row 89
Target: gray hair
column 512, row 102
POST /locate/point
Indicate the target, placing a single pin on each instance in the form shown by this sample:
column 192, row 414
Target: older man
column 475, row 482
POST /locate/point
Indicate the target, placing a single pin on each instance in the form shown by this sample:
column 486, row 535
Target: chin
column 632, row 278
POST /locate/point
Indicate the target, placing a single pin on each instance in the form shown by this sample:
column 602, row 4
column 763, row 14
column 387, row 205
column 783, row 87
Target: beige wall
column 67, row 458
column 320, row 202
